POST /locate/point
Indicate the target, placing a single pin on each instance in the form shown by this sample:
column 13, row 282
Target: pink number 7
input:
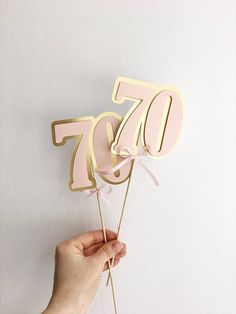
column 80, row 169
column 142, row 94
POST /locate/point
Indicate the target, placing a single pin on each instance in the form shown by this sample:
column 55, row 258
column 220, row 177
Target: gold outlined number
column 81, row 177
column 157, row 112
column 155, row 116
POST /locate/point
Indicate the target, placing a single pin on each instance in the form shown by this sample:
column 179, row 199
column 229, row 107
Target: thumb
column 107, row 251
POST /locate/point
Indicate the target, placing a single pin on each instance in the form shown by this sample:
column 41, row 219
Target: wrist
column 64, row 306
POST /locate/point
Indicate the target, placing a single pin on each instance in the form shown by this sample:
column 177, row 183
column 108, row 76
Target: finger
column 85, row 240
column 120, row 255
column 122, row 252
column 92, row 249
column 107, row 251
column 116, row 262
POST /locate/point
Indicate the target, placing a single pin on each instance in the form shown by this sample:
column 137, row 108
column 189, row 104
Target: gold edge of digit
column 111, row 138
column 93, row 158
column 77, row 138
column 95, row 123
column 159, row 90
column 64, row 121
column 89, row 171
column 132, row 109
column 122, row 125
column 128, row 80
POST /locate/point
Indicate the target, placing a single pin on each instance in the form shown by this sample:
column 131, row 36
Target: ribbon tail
column 89, row 193
column 106, row 200
column 149, row 172
column 117, row 167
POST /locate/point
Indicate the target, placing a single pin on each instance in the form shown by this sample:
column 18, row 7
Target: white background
column 60, row 59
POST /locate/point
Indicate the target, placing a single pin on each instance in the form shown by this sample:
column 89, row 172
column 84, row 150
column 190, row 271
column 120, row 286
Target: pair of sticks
column 101, row 216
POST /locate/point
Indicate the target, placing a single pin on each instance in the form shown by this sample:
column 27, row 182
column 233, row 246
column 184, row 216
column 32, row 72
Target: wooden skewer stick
column 121, row 216
column 105, row 240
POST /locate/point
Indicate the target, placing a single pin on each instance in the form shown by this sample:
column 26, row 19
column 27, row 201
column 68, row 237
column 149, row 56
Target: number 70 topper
column 108, row 144
column 103, row 142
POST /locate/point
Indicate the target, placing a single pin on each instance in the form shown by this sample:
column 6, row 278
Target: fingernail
column 117, row 246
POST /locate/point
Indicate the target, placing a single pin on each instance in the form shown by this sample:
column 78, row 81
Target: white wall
column 60, row 59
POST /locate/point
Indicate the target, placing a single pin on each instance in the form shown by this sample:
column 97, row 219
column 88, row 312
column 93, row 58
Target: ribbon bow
column 101, row 192
column 129, row 156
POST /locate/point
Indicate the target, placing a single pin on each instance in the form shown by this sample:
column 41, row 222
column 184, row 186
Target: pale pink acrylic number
column 104, row 131
column 162, row 123
column 157, row 114
column 80, row 171
column 126, row 89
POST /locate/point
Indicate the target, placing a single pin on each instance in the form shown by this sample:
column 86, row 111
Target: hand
column 79, row 263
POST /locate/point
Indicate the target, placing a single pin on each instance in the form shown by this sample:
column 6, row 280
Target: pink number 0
column 102, row 137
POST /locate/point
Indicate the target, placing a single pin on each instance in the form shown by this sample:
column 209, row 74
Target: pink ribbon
column 101, row 192
column 126, row 152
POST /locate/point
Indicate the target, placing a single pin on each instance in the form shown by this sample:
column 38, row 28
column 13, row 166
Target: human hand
column 79, row 263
